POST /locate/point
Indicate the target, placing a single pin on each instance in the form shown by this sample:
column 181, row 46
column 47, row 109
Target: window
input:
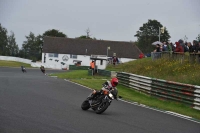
column 73, row 56
column 53, row 55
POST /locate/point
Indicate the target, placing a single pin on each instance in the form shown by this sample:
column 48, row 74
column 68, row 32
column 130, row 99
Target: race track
column 35, row 103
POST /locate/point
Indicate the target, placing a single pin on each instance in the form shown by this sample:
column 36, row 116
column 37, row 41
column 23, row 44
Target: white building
column 60, row 52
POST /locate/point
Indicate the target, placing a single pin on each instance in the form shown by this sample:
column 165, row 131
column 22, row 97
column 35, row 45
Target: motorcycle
column 23, row 69
column 42, row 69
column 100, row 102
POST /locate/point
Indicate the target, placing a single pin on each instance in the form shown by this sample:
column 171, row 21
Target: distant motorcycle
column 23, row 69
column 100, row 102
column 42, row 69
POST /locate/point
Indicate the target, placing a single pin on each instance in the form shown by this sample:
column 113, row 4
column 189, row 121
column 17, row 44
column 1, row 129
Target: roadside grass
column 4, row 63
column 77, row 74
column 95, row 82
column 170, row 70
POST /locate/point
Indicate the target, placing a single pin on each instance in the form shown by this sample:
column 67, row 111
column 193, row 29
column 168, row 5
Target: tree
column 12, row 47
column 31, row 48
column 87, row 36
column 148, row 34
column 3, row 40
column 54, row 33
column 198, row 37
column 84, row 37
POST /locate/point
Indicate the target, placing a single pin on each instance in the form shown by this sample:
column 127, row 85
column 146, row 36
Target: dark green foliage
column 84, row 37
column 148, row 34
column 8, row 46
column 13, row 49
column 54, row 33
column 32, row 47
column 3, row 40
column 198, row 37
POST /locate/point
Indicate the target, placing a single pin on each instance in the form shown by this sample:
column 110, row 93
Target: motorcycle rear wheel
column 102, row 107
column 85, row 105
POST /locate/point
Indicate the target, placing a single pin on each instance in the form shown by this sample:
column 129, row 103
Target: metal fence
column 75, row 67
column 101, row 72
column 181, row 57
column 184, row 93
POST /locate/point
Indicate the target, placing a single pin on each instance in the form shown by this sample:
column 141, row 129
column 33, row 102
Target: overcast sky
column 116, row 20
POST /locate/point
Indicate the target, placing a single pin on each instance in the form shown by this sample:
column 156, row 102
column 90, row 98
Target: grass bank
column 78, row 74
column 162, row 69
column 4, row 63
column 95, row 82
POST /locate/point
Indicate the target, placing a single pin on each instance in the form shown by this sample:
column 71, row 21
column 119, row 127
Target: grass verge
column 171, row 70
column 95, row 82
column 4, row 63
column 78, row 74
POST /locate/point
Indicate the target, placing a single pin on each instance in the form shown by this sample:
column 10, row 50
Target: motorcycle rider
column 42, row 69
column 110, row 85
column 23, row 69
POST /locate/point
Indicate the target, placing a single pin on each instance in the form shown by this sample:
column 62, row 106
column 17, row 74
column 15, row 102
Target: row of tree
column 149, row 33
column 8, row 44
column 32, row 46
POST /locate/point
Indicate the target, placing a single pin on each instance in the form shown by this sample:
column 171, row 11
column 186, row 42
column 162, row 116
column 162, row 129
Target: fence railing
column 184, row 93
column 190, row 57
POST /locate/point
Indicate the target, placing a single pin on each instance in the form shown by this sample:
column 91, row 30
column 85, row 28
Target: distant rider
column 23, row 69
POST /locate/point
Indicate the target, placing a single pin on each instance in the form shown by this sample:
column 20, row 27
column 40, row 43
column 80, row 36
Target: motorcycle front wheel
column 85, row 105
column 102, row 107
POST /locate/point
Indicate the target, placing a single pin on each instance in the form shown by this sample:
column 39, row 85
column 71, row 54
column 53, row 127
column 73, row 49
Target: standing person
column 169, row 47
column 190, row 47
column 185, row 49
column 164, row 46
column 157, row 48
column 115, row 60
column 179, row 48
column 157, row 52
column 172, row 46
column 92, row 66
column 196, row 46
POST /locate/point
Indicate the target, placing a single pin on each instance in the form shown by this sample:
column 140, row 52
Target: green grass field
column 162, row 69
column 4, row 63
column 78, row 74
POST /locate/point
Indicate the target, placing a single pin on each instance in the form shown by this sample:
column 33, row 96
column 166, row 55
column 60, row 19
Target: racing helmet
column 114, row 82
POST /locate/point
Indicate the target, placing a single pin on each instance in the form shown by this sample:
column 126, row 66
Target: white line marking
column 54, row 76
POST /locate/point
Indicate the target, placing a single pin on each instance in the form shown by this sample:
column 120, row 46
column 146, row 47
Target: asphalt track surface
column 35, row 103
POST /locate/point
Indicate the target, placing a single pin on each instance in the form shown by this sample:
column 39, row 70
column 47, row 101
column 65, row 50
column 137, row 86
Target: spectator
column 196, row 46
column 164, row 46
column 169, row 47
column 157, row 48
column 190, row 47
column 185, row 49
column 115, row 60
column 179, row 48
column 92, row 66
column 172, row 46
column 141, row 55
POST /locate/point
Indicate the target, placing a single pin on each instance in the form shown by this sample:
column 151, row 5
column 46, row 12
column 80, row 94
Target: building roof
column 89, row 47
